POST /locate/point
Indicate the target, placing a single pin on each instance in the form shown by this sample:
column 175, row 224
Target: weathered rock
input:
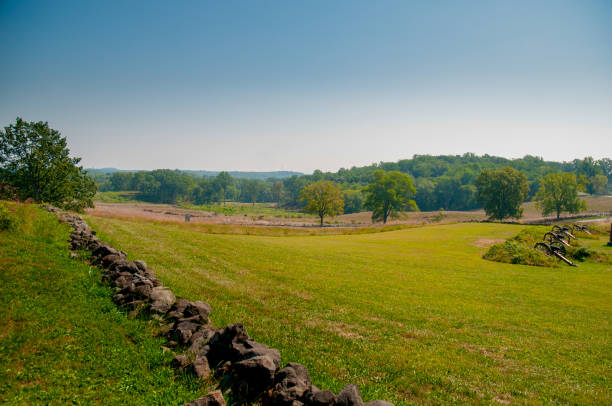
column 212, row 399
column 317, row 397
column 177, row 309
column 197, row 309
column 233, row 344
column 162, row 299
column 180, row 361
column 144, row 290
column 349, row 396
column 254, row 375
column 141, row 265
column 185, row 330
column 290, row 383
column 109, row 259
column 104, row 250
column 201, row 368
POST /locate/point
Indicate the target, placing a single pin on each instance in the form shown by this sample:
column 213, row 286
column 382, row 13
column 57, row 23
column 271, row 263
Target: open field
column 412, row 316
column 62, row 340
column 125, row 205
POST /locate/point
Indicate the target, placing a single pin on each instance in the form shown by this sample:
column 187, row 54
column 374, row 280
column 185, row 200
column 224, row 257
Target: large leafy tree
column 559, row 192
column 502, row 192
column 252, row 189
column 388, row 194
column 222, row 184
column 35, row 159
column 323, row 198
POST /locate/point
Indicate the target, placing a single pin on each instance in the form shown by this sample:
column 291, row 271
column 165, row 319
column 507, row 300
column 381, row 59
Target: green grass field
column 62, row 340
column 412, row 316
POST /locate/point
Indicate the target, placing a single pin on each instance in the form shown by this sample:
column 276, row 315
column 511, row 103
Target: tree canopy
column 558, row 193
column 36, row 161
column 501, row 192
column 389, row 193
column 323, row 198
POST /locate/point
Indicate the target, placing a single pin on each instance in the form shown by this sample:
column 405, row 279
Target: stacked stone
column 249, row 371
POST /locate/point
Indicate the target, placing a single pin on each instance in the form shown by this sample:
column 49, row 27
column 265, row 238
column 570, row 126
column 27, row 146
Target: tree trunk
column 321, row 221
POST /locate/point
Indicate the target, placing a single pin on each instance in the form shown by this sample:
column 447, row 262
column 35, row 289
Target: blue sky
column 270, row 85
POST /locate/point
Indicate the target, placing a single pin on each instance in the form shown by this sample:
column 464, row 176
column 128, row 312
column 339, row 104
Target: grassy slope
column 411, row 316
column 61, row 338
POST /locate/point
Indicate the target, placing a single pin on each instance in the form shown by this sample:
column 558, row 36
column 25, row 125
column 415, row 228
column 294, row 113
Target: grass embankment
column 520, row 249
column 62, row 340
column 127, row 196
column 414, row 315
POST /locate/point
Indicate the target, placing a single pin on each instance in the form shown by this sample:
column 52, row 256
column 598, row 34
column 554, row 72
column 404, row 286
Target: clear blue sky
column 300, row 85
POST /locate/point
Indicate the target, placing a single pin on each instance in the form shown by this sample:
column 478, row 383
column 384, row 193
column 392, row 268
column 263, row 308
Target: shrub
column 8, row 220
column 516, row 252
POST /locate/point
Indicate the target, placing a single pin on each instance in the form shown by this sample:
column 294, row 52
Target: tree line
column 35, row 163
column 441, row 182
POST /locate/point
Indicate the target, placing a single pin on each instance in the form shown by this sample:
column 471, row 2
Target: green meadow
column 62, row 339
column 412, row 316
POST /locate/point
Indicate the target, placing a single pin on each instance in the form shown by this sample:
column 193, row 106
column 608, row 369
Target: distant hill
column 234, row 174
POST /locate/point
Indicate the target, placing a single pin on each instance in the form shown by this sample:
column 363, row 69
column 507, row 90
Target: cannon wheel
column 543, row 247
column 557, row 246
column 550, row 237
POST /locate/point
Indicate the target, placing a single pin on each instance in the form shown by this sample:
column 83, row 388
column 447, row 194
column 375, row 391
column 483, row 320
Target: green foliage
column 8, row 220
column 441, row 182
column 558, row 193
column 63, row 340
column 598, row 184
column 519, row 250
column 512, row 252
column 502, row 192
column 36, row 161
column 353, row 201
column 252, row 189
column 323, row 198
column 388, row 194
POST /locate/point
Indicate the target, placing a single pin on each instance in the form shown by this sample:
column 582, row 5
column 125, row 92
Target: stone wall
column 247, row 371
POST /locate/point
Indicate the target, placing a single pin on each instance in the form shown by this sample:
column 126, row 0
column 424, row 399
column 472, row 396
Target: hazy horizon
column 272, row 86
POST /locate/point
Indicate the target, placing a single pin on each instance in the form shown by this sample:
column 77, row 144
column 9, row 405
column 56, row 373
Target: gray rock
column 349, row 396
column 320, row 398
column 141, row 265
column 253, row 375
column 201, row 368
column 180, row 361
column 162, row 299
column 290, row 383
column 197, row 309
column 212, row 399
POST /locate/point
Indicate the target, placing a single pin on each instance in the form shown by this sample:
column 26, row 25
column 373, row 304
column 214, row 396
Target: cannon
column 554, row 249
column 579, row 227
column 563, row 230
column 556, row 237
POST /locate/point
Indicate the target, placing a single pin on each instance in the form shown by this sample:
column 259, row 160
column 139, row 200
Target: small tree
column 502, row 192
column 388, row 194
column 323, row 198
column 36, row 161
column 559, row 192
column 598, row 184
column 222, row 185
column 277, row 192
column 252, row 188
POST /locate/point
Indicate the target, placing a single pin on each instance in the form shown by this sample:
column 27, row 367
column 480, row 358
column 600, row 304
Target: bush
column 8, row 220
column 515, row 252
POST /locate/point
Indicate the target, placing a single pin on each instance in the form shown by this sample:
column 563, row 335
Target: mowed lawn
column 411, row 316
